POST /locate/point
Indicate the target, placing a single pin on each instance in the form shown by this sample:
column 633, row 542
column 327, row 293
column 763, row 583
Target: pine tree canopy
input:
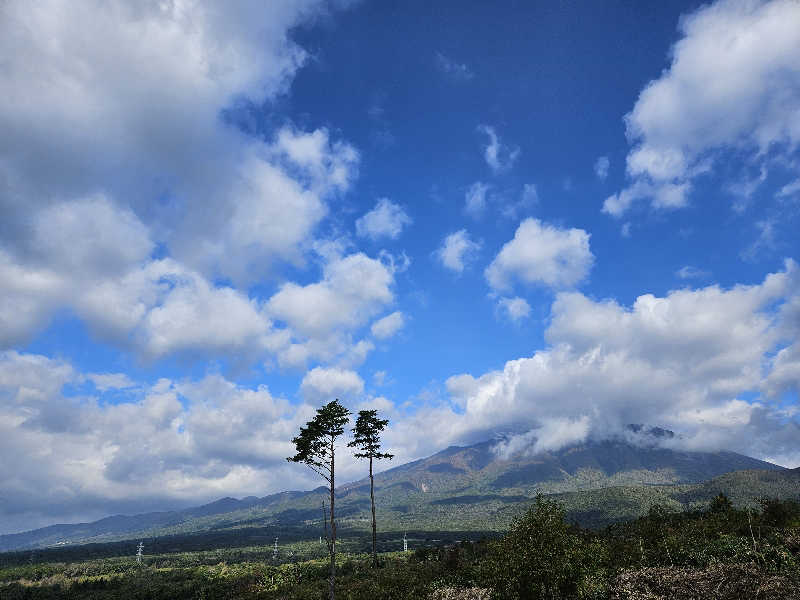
column 314, row 444
column 366, row 435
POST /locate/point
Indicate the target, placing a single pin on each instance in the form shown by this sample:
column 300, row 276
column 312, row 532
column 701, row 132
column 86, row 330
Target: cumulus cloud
column 173, row 444
column 322, row 316
column 499, row 156
column 385, row 220
column 186, row 198
column 159, row 307
column 732, row 86
column 325, row 384
column 515, row 309
column 672, row 361
column 457, row 251
column 162, row 150
column 389, row 325
column 541, row 254
column 110, row 381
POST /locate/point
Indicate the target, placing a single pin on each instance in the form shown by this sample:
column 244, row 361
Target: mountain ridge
column 469, row 484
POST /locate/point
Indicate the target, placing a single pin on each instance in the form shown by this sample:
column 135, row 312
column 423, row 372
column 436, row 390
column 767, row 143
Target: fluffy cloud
column 457, row 251
column 385, row 220
column 324, row 384
column 515, row 309
column 73, row 124
column 732, row 85
column 672, row 361
column 389, row 325
column 542, row 254
column 110, row 381
column 159, row 307
column 173, row 443
column 186, row 198
column 499, row 156
column 322, row 316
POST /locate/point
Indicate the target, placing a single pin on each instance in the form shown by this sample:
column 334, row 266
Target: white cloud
column 790, row 190
column 325, row 384
column 457, row 251
column 499, row 156
column 322, row 316
column 379, row 378
column 73, row 124
column 162, row 308
column 515, row 309
column 385, row 220
column 475, row 199
column 542, row 254
column 662, row 196
column 551, row 434
column 785, row 373
column 601, row 166
column 110, row 381
column 672, row 361
column 175, row 177
column 77, row 458
column 690, row 272
column 389, row 325
column 454, row 70
column 732, row 85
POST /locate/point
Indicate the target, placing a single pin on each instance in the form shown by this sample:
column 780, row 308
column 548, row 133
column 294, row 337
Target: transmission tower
column 139, row 552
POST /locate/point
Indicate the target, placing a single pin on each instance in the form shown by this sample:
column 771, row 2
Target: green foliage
column 665, row 553
column 778, row 513
column 543, row 557
column 367, row 435
column 721, row 504
column 315, row 444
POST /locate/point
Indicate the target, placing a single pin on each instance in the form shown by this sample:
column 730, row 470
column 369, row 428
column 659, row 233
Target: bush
column 544, row 557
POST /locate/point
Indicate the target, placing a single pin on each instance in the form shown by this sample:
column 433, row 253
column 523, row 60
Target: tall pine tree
column 366, row 437
column 316, row 448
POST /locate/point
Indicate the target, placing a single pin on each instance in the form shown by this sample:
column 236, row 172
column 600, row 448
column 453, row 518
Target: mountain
column 470, row 488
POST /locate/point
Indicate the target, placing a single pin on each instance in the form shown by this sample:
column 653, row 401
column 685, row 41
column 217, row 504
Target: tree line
column 315, row 447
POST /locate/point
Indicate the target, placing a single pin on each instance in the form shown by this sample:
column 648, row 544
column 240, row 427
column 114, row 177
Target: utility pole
column 139, row 553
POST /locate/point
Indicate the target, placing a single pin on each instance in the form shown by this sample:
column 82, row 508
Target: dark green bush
column 544, row 557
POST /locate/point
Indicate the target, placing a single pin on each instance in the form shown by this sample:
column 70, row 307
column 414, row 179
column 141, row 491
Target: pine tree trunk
column 374, row 529
column 331, row 581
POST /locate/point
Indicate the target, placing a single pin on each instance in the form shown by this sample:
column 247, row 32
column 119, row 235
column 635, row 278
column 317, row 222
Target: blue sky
column 519, row 218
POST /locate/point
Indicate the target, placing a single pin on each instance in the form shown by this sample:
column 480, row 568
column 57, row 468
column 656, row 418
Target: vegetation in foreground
column 717, row 553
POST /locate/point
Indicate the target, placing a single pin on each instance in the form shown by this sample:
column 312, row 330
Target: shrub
column 544, row 557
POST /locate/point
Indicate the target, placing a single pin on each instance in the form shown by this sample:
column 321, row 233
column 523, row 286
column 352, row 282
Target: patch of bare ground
column 720, row 582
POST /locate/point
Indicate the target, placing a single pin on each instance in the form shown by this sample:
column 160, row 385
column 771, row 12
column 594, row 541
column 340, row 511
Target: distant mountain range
column 471, row 488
